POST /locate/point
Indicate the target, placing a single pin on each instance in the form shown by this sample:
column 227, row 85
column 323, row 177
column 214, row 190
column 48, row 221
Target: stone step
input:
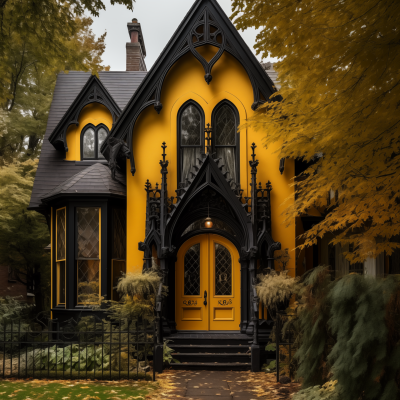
column 212, row 340
column 238, row 366
column 213, row 357
column 209, row 348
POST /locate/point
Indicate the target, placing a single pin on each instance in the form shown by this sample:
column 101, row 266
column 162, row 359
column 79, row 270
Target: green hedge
column 349, row 333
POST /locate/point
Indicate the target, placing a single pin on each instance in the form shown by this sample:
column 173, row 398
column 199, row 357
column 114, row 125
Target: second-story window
column 91, row 141
column 190, row 138
column 225, row 139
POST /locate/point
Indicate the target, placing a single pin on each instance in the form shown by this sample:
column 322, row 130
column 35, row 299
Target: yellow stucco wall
column 95, row 114
column 186, row 81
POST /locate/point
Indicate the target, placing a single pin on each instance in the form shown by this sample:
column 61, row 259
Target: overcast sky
column 159, row 20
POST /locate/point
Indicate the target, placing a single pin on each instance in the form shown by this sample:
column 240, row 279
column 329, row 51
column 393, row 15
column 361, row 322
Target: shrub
column 83, row 358
column 275, row 288
column 14, row 319
column 324, row 392
column 350, row 333
column 314, row 338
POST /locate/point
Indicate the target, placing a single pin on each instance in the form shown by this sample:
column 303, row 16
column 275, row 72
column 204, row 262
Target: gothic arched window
column 190, row 138
column 91, row 140
column 225, row 138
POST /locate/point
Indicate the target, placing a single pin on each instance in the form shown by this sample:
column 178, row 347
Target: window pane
column 190, row 127
column 192, row 271
column 88, row 281
column 88, row 232
column 223, row 271
column 189, row 159
column 228, row 155
column 225, row 131
column 119, row 234
column 101, row 134
column 60, row 217
column 118, row 270
column 88, row 144
column 61, row 282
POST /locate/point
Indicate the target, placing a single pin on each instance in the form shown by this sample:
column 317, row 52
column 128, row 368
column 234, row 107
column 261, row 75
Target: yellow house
column 145, row 167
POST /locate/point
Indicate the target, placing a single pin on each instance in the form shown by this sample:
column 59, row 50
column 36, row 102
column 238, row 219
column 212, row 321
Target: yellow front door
column 207, row 285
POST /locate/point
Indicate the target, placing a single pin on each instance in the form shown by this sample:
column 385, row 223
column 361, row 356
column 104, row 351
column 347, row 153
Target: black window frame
column 76, row 257
column 228, row 103
column 202, row 134
column 96, row 141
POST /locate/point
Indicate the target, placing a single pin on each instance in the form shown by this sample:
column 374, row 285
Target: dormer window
column 91, row 140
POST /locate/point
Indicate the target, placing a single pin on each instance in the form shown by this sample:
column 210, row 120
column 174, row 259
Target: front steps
column 211, row 351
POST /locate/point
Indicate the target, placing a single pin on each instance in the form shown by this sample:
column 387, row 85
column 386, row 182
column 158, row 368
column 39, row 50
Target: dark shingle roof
column 95, row 179
column 52, row 168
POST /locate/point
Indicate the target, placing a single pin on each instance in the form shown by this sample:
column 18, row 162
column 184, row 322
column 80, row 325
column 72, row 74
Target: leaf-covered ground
column 75, row 390
column 222, row 385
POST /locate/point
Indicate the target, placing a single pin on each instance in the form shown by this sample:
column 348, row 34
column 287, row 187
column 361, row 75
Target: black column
column 244, row 295
column 71, row 293
column 104, row 250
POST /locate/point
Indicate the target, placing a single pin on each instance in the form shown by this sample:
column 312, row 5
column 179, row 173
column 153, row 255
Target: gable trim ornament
column 205, row 24
column 93, row 92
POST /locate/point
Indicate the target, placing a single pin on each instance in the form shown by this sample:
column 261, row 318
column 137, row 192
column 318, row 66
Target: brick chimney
column 135, row 49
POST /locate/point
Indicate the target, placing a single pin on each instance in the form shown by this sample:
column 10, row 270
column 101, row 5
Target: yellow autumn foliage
column 339, row 72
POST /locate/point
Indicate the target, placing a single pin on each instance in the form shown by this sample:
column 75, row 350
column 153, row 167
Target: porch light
column 208, row 221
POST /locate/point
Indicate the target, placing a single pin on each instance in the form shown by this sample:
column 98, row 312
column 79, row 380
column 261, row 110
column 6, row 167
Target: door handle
column 205, row 298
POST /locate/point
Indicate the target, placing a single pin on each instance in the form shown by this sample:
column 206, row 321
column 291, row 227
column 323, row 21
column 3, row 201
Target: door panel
column 191, row 282
column 224, row 285
column 207, row 271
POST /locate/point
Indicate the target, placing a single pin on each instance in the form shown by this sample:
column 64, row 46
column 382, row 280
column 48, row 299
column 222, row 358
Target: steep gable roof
column 93, row 92
column 205, row 23
column 53, row 168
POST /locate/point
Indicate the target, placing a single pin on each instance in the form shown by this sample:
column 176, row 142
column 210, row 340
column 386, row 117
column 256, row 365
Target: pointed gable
column 209, row 174
column 93, row 92
column 205, row 24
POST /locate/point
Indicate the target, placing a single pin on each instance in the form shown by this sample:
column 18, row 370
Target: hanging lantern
column 208, row 223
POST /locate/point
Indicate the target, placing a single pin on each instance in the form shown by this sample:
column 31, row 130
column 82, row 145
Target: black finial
column 163, row 162
column 253, row 163
column 147, row 185
column 253, row 148
column 268, row 186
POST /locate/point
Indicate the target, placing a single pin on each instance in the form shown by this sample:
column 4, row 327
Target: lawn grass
column 74, row 390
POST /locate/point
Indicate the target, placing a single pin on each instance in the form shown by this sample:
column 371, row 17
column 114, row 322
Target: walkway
column 222, row 385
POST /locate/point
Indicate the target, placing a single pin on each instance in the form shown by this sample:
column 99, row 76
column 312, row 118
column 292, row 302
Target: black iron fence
column 286, row 344
column 87, row 348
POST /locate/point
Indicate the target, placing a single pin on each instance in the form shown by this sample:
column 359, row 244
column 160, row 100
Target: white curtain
column 189, row 158
column 228, row 156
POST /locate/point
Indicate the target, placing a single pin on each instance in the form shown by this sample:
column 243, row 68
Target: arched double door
column 207, row 292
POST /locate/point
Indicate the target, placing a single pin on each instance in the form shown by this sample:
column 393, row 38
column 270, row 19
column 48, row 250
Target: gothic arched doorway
column 207, row 279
